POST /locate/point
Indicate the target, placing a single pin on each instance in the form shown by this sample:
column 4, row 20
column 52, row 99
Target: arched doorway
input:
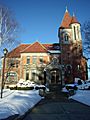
column 55, row 76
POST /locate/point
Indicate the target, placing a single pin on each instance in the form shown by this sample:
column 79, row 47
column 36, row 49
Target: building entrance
column 55, row 76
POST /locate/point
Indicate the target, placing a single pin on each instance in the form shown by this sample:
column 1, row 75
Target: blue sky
column 40, row 19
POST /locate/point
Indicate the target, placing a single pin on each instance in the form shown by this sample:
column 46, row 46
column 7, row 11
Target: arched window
column 66, row 37
column 68, row 69
column 74, row 32
column 78, row 31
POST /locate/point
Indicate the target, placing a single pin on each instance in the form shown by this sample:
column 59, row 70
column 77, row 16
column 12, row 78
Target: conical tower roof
column 66, row 20
column 74, row 19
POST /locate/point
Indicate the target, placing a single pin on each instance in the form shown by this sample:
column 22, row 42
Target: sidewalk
column 58, row 108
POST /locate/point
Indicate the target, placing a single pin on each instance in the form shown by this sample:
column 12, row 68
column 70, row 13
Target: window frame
column 28, row 60
column 34, row 59
column 66, row 37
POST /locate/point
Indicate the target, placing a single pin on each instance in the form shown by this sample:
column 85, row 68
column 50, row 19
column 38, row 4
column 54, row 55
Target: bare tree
column 86, row 38
column 8, row 29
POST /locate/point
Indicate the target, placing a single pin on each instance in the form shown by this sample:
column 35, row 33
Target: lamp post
column 61, row 48
column 2, row 84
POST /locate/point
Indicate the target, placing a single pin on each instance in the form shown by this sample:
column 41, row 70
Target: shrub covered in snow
column 27, row 85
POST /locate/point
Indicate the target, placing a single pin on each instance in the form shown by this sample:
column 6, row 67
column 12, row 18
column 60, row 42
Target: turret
column 70, row 43
column 69, row 30
column 75, row 26
column 64, row 29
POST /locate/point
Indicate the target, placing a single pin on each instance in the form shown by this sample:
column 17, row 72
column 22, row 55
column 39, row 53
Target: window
column 74, row 33
column 78, row 31
column 17, row 63
column 11, row 76
column 28, row 59
column 79, row 47
column 66, row 37
column 40, row 77
column 34, row 59
column 68, row 69
column 55, row 60
column 33, row 74
column 12, row 63
column 27, row 76
column 41, row 59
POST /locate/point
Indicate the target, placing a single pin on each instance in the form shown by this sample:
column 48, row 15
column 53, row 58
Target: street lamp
column 2, row 84
column 61, row 48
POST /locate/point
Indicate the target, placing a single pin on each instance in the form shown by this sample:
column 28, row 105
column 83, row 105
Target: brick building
column 50, row 63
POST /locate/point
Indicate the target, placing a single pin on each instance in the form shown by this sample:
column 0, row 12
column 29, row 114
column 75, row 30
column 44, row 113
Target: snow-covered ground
column 83, row 93
column 82, row 96
column 17, row 102
column 20, row 101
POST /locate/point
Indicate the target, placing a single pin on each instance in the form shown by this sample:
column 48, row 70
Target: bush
column 79, row 82
column 71, row 92
column 38, row 88
column 13, row 88
column 21, row 88
column 25, row 88
column 75, row 87
column 89, row 88
column 71, row 87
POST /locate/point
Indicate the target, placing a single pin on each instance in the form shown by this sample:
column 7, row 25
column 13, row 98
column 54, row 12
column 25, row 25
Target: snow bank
column 17, row 102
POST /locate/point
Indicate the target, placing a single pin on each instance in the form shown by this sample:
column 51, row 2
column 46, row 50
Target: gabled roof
column 15, row 53
column 66, row 20
column 35, row 48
